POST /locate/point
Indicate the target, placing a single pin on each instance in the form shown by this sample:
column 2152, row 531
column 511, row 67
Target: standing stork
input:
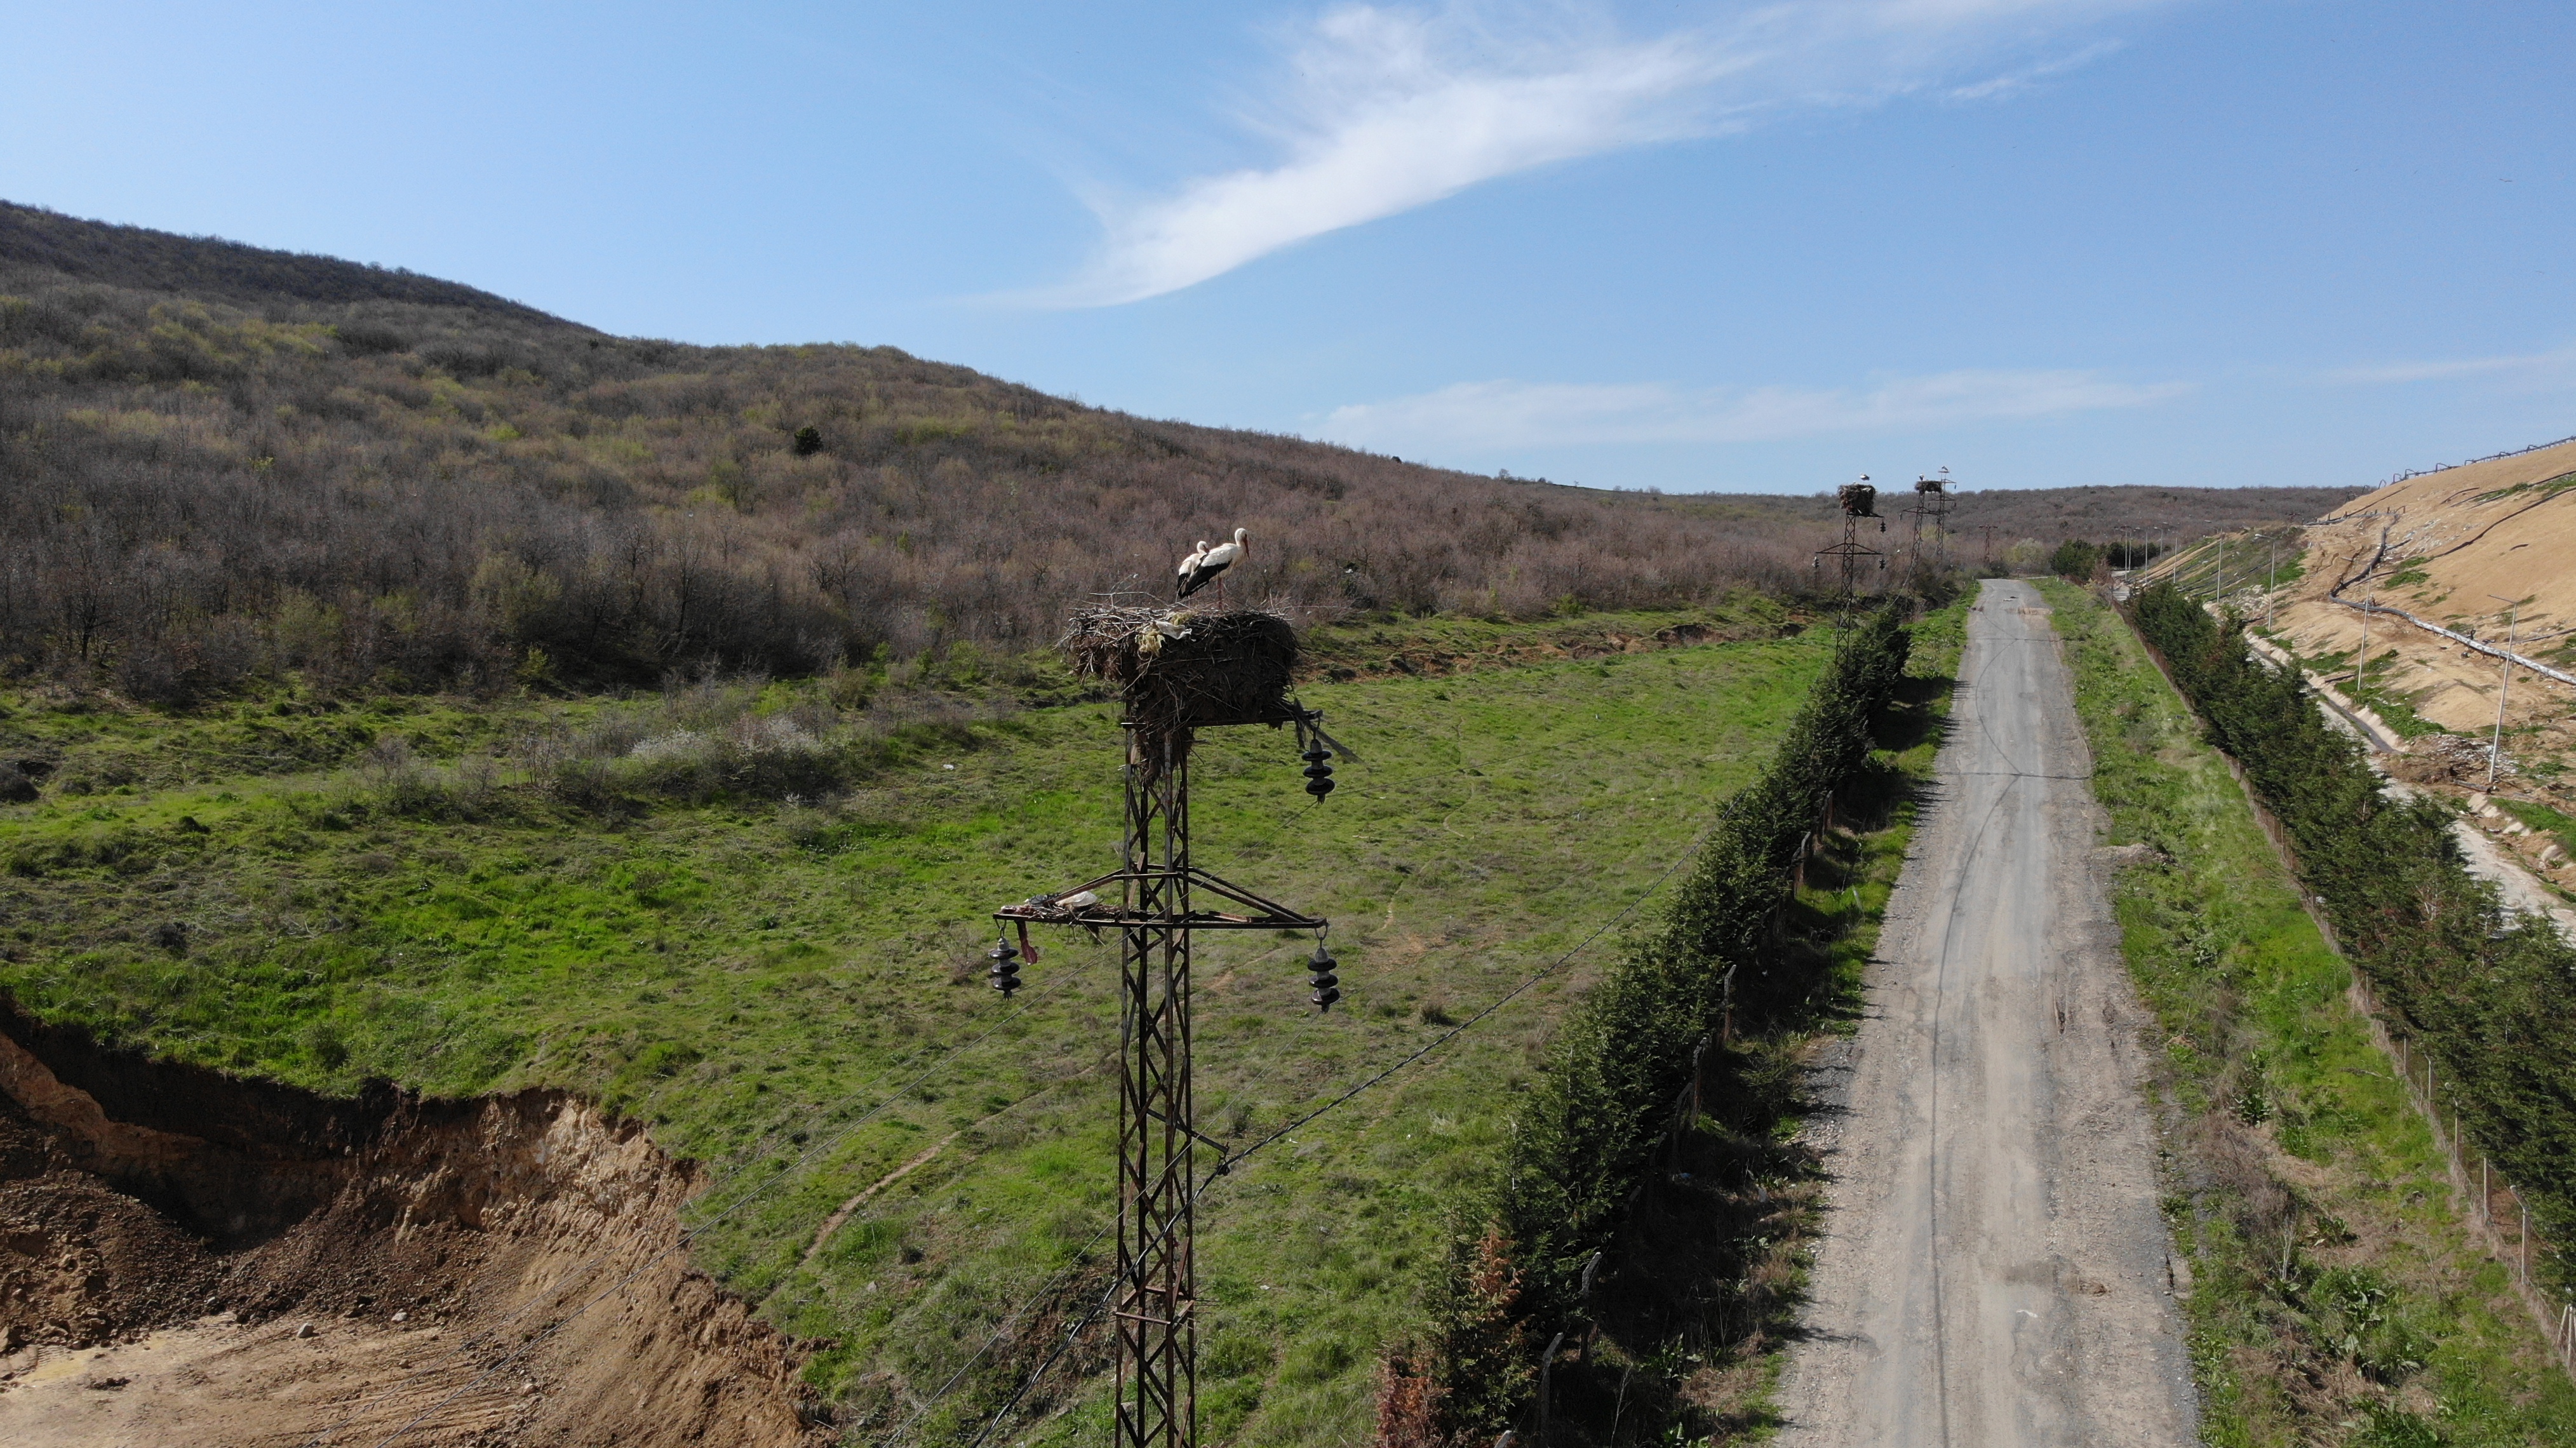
column 1208, row 565
column 1189, row 566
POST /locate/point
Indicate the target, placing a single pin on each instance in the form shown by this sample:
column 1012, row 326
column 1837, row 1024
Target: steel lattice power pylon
column 1859, row 500
column 1157, row 1289
column 1931, row 506
column 1156, row 911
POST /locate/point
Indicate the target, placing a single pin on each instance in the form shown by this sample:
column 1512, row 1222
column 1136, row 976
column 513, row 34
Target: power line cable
column 1053, row 1285
column 1226, row 1166
column 722, row 1184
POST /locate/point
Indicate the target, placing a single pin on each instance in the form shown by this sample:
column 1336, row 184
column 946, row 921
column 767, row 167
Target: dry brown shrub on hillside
column 217, row 460
column 191, row 492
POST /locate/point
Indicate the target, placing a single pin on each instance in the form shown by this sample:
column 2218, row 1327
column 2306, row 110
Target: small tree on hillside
column 2075, row 560
column 1470, row 1379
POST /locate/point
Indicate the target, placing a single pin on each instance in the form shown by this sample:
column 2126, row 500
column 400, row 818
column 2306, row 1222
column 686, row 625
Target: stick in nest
column 1187, row 668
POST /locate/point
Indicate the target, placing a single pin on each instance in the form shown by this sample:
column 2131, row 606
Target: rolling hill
column 218, row 461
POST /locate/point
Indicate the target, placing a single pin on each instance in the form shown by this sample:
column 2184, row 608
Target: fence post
column 1696, row 1053
column 1546, row 1366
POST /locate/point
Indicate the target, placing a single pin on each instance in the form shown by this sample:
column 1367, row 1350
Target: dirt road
column 1994, row 1272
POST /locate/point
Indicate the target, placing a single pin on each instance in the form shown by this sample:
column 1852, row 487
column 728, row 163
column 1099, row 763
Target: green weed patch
column 2336, row 1296
column 757, row 974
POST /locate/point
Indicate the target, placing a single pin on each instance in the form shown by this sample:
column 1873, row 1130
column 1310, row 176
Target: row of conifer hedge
column 2491, row 993
column 1587, row 1134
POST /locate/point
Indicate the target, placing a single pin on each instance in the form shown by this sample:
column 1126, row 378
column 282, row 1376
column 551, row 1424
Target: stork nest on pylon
column 1183, row 669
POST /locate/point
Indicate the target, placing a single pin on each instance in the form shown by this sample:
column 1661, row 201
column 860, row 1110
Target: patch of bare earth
column 2482, row 550
column 188, row 1258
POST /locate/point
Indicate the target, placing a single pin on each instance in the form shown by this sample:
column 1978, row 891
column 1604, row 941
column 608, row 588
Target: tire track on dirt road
column 1994, row 1273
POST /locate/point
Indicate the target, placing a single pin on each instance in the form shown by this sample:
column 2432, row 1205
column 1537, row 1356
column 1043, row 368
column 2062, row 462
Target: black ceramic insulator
column 1320, row 975
column 1319, row 787
column 1006, row 968
column 1316, row 755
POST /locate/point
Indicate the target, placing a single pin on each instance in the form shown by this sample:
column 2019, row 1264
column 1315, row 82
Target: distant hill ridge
column 211, row 268
column 218, row 460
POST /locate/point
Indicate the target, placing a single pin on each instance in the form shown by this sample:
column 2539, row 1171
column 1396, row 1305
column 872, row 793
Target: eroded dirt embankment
column 185, row 1257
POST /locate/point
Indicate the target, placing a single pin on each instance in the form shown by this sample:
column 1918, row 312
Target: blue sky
column 1689, row 246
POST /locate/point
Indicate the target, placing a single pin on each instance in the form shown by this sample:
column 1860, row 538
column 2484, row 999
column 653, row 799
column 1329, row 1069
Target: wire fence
column 2400, row 477
column 2506, row 1236
column 2556, row 1319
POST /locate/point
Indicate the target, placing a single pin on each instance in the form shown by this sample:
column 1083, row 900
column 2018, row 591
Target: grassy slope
column 2338, row 1299
column 741, row 966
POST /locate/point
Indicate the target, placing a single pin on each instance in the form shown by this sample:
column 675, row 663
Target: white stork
column 1189, row 566
column 1209, row 564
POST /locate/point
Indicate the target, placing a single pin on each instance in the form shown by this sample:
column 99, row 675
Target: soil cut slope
column 2450, row 546
column 189, row 1258
column 2484, row 551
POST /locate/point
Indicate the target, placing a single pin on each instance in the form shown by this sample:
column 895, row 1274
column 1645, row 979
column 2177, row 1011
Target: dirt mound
column 2443, row 543
column 186, row 1257
column 2449, row 548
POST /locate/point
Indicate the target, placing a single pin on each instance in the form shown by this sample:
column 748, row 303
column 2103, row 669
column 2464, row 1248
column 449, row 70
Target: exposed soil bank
column 167, row 1234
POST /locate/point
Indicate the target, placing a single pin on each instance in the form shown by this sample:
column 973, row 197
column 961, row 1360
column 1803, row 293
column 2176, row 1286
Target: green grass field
column 2338, row 1299
column 792, row 988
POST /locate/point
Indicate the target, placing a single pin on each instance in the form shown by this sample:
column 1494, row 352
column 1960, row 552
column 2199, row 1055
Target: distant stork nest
column 1182, row 669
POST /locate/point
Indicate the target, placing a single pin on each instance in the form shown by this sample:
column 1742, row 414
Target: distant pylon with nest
column 1859, row 500
column 1931, row 513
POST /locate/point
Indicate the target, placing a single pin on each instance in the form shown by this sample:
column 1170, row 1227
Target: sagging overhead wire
column 723, row 1183
column 1053, row 1285
column 1226, row 1166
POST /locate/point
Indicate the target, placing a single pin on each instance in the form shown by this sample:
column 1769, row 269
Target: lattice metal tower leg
column 1157, row 1283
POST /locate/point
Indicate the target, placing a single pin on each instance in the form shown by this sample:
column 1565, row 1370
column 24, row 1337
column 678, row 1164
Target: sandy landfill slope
column 1994, row 1273
column 2453, row 548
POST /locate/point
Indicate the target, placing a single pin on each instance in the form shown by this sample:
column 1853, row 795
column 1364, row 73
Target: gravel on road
column 1994, row 1272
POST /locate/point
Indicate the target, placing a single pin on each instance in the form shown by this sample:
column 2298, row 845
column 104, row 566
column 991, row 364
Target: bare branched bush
column 396, row 486
column 216, row 460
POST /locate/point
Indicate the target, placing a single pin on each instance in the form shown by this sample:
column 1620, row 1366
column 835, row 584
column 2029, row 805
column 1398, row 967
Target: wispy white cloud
column 1508, row 414
column 1379, row 110
column 2547, row 368
column 2013, row 83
